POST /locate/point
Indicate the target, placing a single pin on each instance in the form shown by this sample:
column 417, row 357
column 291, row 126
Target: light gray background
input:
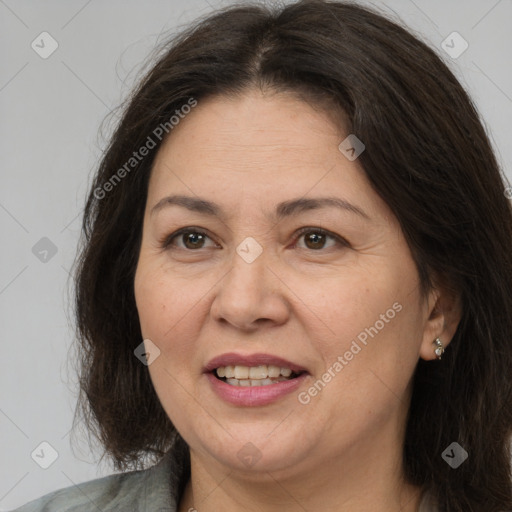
column 51, row 110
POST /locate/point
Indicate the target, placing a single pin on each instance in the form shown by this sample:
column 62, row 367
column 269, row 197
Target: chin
column 255, row 449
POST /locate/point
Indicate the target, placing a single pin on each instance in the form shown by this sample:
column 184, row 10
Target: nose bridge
column 247, row 279
column 250, row 290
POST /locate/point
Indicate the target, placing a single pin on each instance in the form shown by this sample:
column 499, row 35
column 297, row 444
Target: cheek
column 151, row 306
column 170, row 309
column 346, row 302
column 161, row 303
column 162, row 308
column 371, row 318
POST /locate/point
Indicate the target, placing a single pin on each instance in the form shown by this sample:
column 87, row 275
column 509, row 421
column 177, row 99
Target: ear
column 442, row 316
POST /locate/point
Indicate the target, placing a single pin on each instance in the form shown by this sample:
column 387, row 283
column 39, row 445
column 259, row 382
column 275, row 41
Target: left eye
column 317, row 237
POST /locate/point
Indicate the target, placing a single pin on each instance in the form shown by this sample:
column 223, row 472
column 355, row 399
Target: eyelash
column 166, row 242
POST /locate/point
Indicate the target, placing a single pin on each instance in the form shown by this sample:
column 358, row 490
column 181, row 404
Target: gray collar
column 165, row 482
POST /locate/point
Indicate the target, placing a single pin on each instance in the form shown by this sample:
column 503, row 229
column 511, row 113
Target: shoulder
column 156, row 488
column 106, row 494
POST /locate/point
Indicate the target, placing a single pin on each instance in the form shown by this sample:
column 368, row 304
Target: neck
column 357, row 481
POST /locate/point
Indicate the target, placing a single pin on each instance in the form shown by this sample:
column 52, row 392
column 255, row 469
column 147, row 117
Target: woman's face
column 243, row 290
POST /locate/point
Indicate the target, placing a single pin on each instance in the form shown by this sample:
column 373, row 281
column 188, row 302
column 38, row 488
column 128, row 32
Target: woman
column 294, row 289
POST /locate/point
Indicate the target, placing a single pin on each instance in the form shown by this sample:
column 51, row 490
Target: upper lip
column 234, row 359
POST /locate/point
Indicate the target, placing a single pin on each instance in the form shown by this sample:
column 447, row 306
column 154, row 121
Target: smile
column 251, row 380
column 250, row 376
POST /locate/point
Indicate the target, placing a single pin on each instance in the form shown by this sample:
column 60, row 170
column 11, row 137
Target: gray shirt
column 156, row 489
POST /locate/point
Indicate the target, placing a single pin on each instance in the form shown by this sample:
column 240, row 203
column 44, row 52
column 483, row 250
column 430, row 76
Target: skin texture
column 299, row 300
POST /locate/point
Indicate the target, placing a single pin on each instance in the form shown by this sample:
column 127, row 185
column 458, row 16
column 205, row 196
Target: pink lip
column 233, row 359
column 254, row 395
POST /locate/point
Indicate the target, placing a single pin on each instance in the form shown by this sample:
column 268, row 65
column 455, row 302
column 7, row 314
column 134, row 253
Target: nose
column 251, row 294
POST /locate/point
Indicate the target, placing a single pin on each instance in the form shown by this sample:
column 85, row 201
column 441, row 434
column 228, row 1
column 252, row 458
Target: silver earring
column 439, row 349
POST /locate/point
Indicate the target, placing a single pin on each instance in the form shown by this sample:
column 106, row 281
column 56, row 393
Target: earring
column 439, row 349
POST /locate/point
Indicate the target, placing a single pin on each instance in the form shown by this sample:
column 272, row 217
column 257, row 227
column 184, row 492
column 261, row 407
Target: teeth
column 260, row 372
column 241, row 372
column 286, row 372
column 274, row 371
column 229, row 372
column 247, row 383
column 262, row 375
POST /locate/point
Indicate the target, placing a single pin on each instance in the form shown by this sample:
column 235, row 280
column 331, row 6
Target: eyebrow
column 284, row 209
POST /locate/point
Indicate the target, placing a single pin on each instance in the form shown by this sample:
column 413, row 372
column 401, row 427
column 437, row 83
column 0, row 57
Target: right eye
column 191, row 238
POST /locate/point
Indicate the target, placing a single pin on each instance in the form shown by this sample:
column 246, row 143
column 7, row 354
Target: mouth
column 253, row 380
column 253, row 370
column 251, row 376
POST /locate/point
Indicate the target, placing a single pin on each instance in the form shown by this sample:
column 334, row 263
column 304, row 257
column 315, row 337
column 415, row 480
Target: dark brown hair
column 427, row 155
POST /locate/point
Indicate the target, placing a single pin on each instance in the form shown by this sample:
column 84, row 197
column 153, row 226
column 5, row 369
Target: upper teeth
column 253, row 372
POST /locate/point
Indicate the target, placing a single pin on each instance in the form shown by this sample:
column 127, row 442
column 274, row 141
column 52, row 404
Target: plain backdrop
column 50, row 115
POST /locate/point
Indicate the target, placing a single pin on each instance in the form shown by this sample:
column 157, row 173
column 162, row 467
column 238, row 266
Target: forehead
column 256, row 147
column 253, row 129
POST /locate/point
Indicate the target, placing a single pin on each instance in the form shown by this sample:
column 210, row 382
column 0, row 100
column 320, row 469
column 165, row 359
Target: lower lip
column 252, row 396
